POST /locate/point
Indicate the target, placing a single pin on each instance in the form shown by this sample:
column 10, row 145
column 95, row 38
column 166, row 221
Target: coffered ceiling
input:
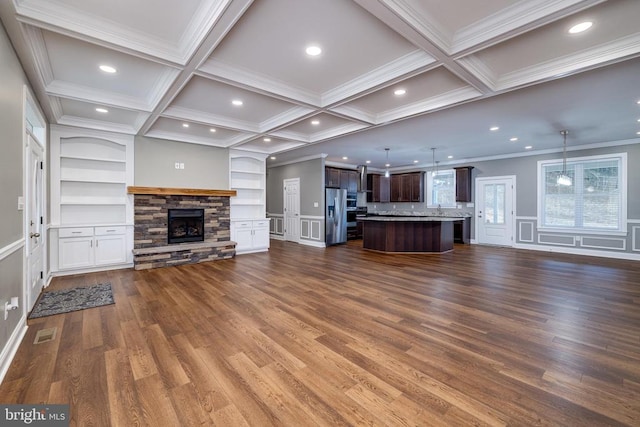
column 464, row 66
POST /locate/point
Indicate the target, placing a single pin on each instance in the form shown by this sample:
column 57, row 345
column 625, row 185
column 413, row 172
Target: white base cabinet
column 88, row 247
column 250, row 235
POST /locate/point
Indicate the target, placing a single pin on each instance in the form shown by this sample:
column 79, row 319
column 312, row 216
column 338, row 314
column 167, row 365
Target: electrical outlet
column 316, row 204
column 181, row 165
column 177, row 165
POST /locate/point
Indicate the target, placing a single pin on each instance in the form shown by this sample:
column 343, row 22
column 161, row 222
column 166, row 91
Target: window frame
column 429, row 187
column 622, row 185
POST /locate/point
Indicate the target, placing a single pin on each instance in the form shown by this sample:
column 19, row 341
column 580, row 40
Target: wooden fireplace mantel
column 166, row 191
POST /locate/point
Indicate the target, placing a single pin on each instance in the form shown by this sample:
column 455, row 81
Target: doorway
column 495, row 210
column 291, row 189
column 35, row 222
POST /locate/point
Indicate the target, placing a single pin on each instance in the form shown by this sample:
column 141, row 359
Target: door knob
column 34, row 235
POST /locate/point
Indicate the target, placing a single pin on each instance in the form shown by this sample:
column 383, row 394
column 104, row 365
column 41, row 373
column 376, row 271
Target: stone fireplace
column 175, row 226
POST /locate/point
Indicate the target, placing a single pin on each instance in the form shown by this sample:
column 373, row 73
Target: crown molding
column 35, row 41
column 295, row 136
column 337, row 131
column 424, row 24
column 202, row 21
column 56, row 107
column 355, row 113
column 183, row 113
column 513, row 17
column 87, row 94
column 434, row 103
column 298, row 160
column 161, row 86
column 218, row 70
column 291, row 115
column 590, row 58
column 82, row 122
column 175, row 136
column 474, row 65
column 394, row 69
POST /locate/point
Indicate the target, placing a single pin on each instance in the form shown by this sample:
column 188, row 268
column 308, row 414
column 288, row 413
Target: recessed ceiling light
column 583, row 26
column 345, row 158
column 108, row 69
column 415, row 161
column 273, row 157
column 237, row 102
column 185, row 125
column 399, row 92
column 637, row 133
column 368, row 162
column 315, row 122
column 528, row 147
column 449, row 157
column 212, row 130
column 313, row 50
column 266, row 139
column 102, row 110
column 386, row 165
column 494, row 128
column 514, row 139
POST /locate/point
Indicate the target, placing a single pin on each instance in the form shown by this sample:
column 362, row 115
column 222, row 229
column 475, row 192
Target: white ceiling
column 465, row 66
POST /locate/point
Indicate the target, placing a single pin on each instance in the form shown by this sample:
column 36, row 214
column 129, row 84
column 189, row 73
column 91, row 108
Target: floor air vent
column 45, row 335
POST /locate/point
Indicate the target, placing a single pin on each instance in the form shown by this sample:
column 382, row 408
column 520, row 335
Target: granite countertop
column 411, row 218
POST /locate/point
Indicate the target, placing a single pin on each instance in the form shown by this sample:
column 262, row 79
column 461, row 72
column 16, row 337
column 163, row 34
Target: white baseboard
column 276, row 236
column 10, row 349
column 312, row 243
column 90, row 270
column 578, row 251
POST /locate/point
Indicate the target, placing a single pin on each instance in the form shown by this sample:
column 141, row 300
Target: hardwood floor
column 302, row 336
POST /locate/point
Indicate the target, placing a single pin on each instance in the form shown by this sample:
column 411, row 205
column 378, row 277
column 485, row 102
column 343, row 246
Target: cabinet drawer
column 262, row 223
column 105, row 231
column 243, row 224
column 76, row 232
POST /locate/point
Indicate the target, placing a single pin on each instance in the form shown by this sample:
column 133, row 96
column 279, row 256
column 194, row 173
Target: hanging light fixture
column 564, row 179
column 386, row 172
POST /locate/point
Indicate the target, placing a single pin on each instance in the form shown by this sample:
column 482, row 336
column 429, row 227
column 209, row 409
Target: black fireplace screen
column 185, row 225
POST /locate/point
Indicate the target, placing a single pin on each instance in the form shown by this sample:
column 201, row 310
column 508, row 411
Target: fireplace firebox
column 185, row 225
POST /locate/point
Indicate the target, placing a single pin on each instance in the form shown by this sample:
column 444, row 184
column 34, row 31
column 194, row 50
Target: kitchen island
column 408, row 233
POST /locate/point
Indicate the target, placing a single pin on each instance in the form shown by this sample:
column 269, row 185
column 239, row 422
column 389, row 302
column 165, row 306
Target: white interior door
column 35, row 228
column 292, row 209
column 495, row 210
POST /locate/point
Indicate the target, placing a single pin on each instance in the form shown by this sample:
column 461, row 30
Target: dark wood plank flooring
column 302, row 336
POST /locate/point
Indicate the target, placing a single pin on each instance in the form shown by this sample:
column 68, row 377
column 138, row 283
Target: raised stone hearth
column 150, row 241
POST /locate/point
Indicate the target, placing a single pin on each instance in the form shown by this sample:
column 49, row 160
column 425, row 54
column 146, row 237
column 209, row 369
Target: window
column 594, row 200
column 441, row 189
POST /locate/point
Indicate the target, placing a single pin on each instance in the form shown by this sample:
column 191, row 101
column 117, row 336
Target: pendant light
column 386, row 172
column 564, row 179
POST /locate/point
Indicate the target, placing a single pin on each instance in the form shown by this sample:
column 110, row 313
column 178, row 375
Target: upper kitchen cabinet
column 341, row 178
column 379, row 189
column 463, row 184
column 407, row 187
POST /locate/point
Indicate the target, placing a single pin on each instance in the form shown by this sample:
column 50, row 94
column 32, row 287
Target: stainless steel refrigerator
column 335, row 216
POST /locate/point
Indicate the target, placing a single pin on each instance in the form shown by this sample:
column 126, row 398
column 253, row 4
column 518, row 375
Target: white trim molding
column 10, row 349
column 11, row 248
column 578, row 251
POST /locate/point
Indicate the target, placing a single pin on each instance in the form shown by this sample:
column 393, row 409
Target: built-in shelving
column 90, row 172
column 249, row 225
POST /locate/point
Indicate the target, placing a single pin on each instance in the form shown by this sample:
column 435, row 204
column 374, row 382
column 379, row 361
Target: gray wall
column 204, row 167
column 12, row 81
column 311, row 174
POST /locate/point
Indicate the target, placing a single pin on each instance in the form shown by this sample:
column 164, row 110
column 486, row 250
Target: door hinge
column 41, row 275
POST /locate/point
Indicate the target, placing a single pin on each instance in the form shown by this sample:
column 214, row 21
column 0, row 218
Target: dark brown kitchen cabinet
column 378, row 188
column 332, row 177
column 463, row 184
column 407, row 187
column 341, row 178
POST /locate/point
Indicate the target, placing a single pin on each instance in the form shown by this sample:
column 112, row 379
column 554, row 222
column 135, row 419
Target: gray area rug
column 74, row 299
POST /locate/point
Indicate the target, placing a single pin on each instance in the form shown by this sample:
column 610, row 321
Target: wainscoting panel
column 603, row 243
column 276, row 226
column 635, row 238
column 526, row 231
column 311, row 228
column 554, row 239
